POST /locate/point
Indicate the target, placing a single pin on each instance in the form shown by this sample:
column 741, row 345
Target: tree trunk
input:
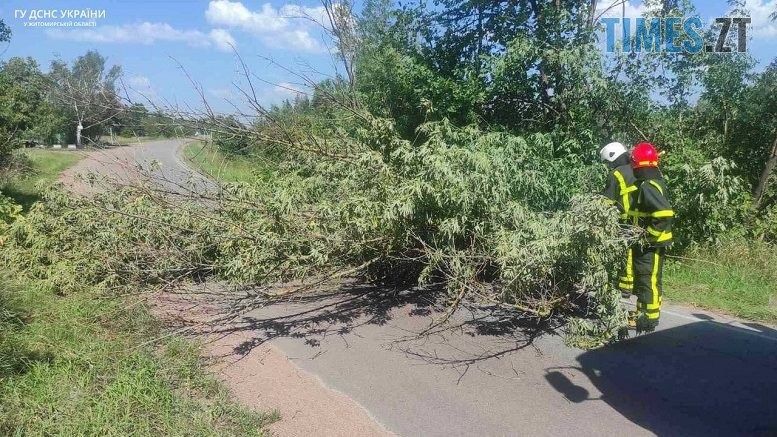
column 763, row 181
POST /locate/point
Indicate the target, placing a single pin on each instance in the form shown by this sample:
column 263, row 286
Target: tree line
column 537, row 66
column 44, row 108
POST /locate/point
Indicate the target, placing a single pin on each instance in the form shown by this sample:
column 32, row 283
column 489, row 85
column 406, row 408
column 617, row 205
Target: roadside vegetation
column 81, row 364
column 33, row 170
column 738, row 278
column 735, row 277
column 223, row 166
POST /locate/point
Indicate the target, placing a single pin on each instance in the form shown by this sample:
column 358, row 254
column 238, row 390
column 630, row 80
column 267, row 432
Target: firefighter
column 621, row 191
column 654, row 215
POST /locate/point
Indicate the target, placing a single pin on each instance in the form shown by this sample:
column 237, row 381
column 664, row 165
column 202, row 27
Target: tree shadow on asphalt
column 702, row 378
column 343, row 311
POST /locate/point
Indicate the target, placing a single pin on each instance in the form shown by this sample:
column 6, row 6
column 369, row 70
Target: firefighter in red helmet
column 654, row 215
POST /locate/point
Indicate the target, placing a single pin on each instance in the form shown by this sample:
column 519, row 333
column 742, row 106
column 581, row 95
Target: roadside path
column 360, row 371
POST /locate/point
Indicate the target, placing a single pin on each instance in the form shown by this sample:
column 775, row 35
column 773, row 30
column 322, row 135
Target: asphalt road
column 159, row 162
column 699, row 374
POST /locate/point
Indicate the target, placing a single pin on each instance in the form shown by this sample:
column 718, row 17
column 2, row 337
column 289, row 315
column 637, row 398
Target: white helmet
column 612, row 151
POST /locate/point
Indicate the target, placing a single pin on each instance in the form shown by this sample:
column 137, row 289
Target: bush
column 710, row 200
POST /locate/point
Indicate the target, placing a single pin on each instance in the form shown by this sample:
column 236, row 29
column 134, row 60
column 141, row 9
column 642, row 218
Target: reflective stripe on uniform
column 660, row 236
column 654, row 306
column 627, row 282
column 624, row 191
column 658, row 187
column 630, row 264
column 664, row 213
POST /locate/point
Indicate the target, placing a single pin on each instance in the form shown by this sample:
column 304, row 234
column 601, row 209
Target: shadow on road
column 342, row 312
column 701, row 378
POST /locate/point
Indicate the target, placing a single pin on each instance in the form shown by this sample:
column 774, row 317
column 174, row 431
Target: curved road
column 156, row 161
column 699, row 374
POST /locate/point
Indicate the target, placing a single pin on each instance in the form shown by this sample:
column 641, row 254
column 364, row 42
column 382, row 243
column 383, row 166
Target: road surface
column 156, row 161
column 699, row 374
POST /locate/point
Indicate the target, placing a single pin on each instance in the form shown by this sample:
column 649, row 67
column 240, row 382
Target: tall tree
column 86, row 92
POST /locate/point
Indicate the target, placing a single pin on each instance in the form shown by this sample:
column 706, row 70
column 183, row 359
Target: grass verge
column 36, row 168
column 222, row 167
column 78, row 365
column 125, row 140
column 739, row 279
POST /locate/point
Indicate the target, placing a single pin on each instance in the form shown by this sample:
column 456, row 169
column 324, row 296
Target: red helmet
column 644, row 155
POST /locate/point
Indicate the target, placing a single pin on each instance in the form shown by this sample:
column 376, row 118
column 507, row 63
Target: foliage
column 9, row 212
column 484, row 213
column 710, row 200
column 229, row 135
column 226, row 167
column 5, row 32
column 25, row 114
column 766, row 228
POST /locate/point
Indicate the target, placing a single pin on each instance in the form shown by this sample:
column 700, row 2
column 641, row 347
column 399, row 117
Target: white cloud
column 285, row 27
column 296, row 39
column 145, row 33
column 139, row 88
column 235, row 14
column 760, row 11
column 222, row 39
column 139, row 82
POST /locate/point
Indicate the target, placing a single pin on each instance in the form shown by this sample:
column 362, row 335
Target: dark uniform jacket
column 653, row 212
column 621, row 189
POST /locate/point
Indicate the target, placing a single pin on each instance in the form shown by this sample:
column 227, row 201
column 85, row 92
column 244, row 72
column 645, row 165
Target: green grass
column 739, row 279
column 208, row 160
column 129, row 140
column 77, row 365
column 38, row 168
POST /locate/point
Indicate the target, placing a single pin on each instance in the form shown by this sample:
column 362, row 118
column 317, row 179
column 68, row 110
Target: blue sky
column 148, row 38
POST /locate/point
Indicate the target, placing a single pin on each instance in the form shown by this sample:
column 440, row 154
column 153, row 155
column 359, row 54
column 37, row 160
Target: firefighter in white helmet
column 621, row 191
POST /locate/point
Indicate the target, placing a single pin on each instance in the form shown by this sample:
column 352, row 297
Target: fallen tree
column 490, row 217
